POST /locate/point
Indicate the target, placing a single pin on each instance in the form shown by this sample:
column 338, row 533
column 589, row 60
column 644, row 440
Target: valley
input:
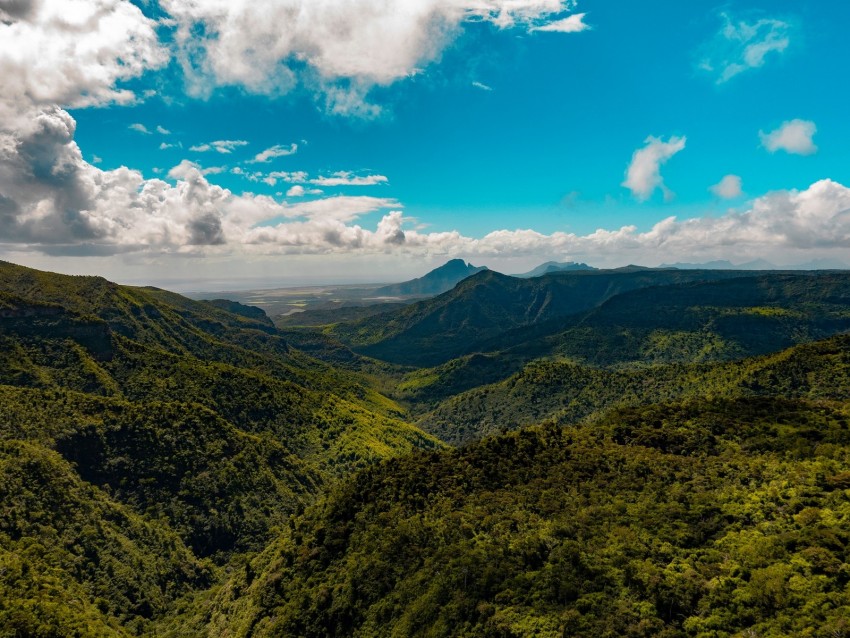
column 584, row 452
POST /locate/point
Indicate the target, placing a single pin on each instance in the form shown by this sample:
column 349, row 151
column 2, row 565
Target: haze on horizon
column 155, row 141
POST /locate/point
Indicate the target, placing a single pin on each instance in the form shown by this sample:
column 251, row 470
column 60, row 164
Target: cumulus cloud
column 278, row 150
column 781, row 224
column 220, row 146
column 792, row 137
column 728, row 188
column 571, row 24
column 162, row 130
column 643, row 175
column 55, row 202
column 741, row 45
column 77, row 55
column 139, row 128
column 482, row 86
column 346, row 178
column 338, row 48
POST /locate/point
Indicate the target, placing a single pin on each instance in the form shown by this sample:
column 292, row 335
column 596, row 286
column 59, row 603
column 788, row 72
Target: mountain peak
column 437, row 281
column 554, row 266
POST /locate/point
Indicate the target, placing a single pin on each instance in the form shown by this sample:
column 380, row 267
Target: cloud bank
column 55, row 202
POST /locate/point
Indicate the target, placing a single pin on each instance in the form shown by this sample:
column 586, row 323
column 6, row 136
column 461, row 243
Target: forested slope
column 646, row 453
column 704, row 518
column 142, row 432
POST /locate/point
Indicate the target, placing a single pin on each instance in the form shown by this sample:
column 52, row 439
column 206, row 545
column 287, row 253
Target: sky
column 230, row 142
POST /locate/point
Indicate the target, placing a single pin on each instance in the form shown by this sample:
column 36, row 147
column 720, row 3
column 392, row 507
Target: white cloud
column 55, row 202
column 318, row 43
column 163, row 146
column 292, row 177
column 728, row 188
column 643, row 175
column 300, row 191
column 96, row 159
column 220, row 146
column 741, row 45
column 571, row 24
column 278, row 150
column 346, row 178
column 139, row 128
column 792, row 137
column 781, row 226
column 71, row 53
column 482, row 86
column 162, row 130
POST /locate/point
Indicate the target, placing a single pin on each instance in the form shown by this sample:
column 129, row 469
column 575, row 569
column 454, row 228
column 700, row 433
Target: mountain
column 435, row 282
column 822, row 264
column 564, row 391
column 553, row 266
column 588, row 441
column 761, row 264
column 709, row 517
column 146, row 439
column 489, row 304
column 723, row 264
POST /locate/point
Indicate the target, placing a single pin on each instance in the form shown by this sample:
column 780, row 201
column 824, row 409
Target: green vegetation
column 641, row 453
column 488, row 306
column 141, row 432
column 708, row 518
column 566, row 392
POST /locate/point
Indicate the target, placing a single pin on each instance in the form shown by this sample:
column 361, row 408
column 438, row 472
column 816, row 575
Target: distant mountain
column 724, row 264
column 761, row 264
column 554, row 266
column 822, row 264
column 435, row 282
column 486, row 305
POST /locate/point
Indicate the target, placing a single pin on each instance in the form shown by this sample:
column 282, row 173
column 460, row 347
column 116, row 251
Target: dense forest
column 585, row 453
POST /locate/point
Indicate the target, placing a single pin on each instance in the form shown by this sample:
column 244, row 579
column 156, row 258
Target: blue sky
column 504, row 133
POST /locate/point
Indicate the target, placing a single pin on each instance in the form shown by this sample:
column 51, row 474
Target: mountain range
column 511, row 457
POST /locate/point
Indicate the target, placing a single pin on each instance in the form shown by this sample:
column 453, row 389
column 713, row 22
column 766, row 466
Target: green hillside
column 566, row 392
column 708, row 518
column 76, row 562
column 139, row 411
column 640, row 452
column 486, row 305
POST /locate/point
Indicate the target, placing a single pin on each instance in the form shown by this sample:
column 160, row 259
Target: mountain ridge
column 436, row 281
